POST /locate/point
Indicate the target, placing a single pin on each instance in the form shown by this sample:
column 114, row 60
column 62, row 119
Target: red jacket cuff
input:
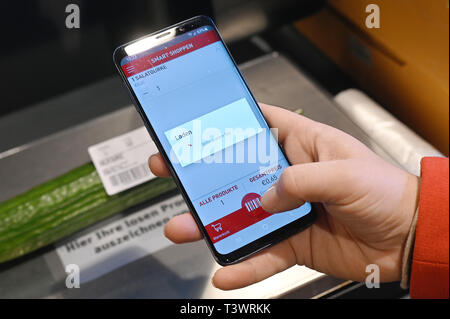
column 429, row 270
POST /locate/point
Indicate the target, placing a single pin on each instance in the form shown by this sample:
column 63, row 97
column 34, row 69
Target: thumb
column 325, row 182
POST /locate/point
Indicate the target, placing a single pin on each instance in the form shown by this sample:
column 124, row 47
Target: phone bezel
column 260, row 243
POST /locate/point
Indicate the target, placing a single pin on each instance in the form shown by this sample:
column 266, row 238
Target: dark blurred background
column 41, row 58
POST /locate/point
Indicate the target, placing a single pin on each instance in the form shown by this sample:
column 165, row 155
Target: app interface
column 214, row 134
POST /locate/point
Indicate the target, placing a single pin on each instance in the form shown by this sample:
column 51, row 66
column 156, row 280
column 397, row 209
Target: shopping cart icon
column 217, row 227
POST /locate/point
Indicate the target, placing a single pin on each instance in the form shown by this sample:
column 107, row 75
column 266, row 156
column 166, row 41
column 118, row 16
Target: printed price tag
column 122, row 161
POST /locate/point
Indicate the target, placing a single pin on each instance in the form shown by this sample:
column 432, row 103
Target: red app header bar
column 170, row 53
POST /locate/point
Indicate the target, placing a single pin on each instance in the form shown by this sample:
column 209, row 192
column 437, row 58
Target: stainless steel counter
column 178, row 271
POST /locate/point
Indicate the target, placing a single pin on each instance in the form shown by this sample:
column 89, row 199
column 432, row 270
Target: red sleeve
column 429, row 269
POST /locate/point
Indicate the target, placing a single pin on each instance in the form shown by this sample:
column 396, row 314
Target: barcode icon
column 253, row 204
column 131, row 175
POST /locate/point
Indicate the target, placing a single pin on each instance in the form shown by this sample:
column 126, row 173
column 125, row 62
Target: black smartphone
column 214, row 138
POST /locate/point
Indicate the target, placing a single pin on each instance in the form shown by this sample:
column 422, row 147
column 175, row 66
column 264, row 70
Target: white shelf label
column 122, row 161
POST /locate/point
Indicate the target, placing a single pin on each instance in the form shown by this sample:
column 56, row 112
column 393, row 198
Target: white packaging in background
column 394, row 137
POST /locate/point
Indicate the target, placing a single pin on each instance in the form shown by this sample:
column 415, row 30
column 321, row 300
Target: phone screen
column 213, row 132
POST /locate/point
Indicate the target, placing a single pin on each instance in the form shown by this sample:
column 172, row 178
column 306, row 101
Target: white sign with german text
column 121, row 241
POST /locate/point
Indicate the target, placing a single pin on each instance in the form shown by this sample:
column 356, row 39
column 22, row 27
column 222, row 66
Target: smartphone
column 212, row 134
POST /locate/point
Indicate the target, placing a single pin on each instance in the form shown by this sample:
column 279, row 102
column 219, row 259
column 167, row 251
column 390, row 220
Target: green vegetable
column 62, row 206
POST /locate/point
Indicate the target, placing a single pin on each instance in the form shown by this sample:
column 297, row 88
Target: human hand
column 365, row 207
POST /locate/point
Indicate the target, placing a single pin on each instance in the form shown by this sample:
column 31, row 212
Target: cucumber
column 63, row 206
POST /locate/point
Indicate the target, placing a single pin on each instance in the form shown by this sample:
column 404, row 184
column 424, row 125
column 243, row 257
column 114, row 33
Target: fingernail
column 269, row 199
